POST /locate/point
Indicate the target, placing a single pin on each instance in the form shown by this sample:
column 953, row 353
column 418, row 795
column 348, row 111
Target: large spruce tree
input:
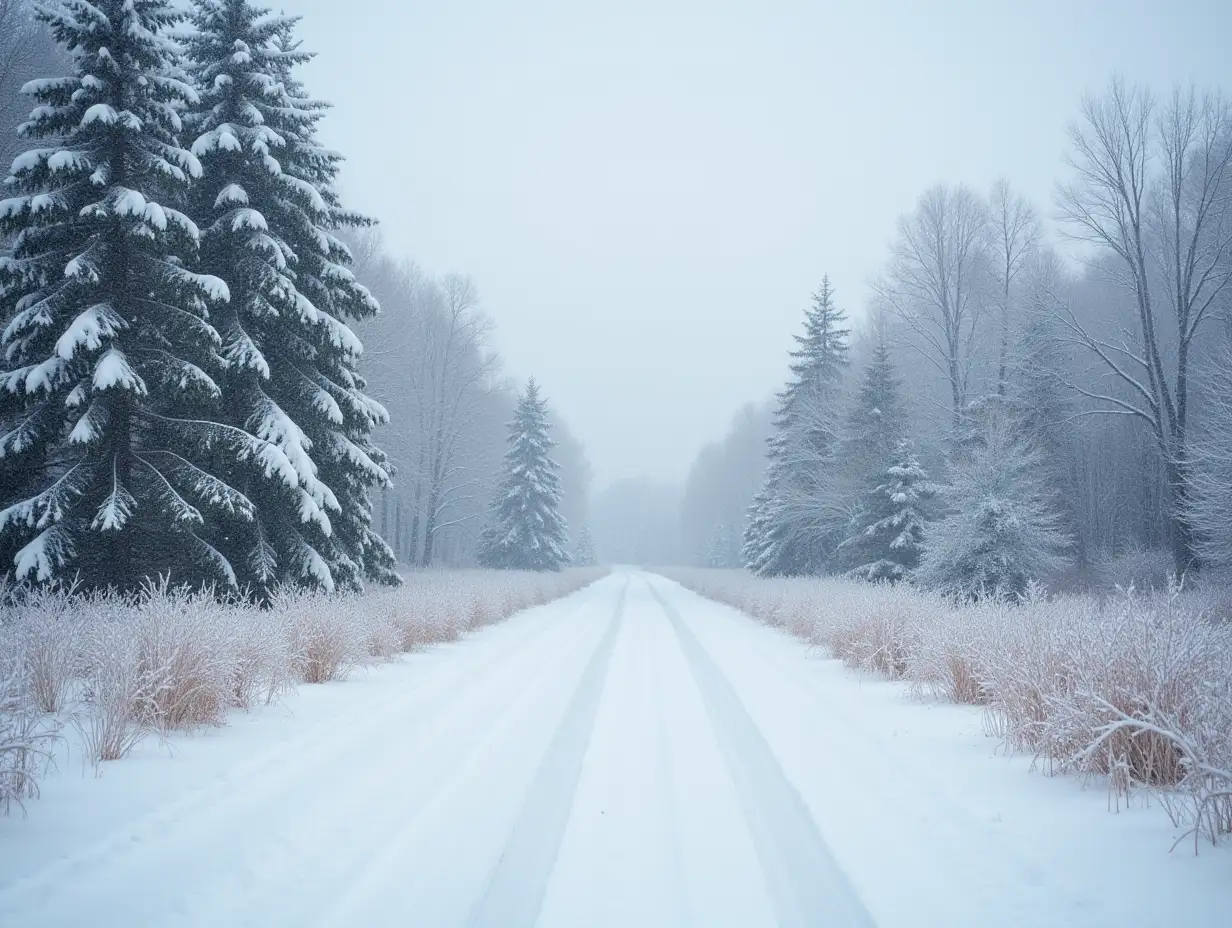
column 526, row 530
column 888, row 539
column 877, row 421
column 1002, row 529
column 794, row 520
column 267, row 209
column 110, row 440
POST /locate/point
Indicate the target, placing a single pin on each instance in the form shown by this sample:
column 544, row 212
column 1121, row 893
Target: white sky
column 647, row 191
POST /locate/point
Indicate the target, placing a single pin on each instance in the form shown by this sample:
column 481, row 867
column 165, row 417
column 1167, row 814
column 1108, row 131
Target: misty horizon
column 661, row 463
column 647, row 196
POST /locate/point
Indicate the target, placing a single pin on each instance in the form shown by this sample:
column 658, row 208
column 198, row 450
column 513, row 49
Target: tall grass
column 1132, row 687
column 120, row 668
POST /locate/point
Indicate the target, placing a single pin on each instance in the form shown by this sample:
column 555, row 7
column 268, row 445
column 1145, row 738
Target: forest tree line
column 1056, row 378
column 186, row 392
column 430, row 356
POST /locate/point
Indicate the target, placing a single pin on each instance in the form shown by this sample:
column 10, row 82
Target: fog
column 760, row 260
column 732, row 357
column 647, row 192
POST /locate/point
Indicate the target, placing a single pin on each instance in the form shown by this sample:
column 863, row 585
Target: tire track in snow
column 915, row 792
column 372, row 869
column 666, row 791
column 807, row 886
column 515, row 889
column 327, row 870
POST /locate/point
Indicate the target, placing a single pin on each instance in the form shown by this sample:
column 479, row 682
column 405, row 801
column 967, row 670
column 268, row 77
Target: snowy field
column 630, row 755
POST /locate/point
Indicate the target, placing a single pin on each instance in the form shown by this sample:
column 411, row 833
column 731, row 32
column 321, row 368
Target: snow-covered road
column 631, row 755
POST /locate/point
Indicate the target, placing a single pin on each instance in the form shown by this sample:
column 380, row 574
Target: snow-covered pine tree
column 267, row 207
column 1036, row 396
column 877, row 421
column 1002, row 529
column 526, row 530
column 796, row 517
column 584, row 552
column 756, row 538
column 108, row 449
column 724, row 548
column 887, row 543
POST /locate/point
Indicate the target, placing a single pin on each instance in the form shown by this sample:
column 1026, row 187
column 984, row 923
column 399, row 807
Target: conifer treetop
column 110, row 350
column 526, row 530
column 268, row 210
column 888, row 539
column 792, row 517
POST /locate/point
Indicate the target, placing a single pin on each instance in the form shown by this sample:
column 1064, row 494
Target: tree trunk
column 956, row 396
column 412, row 553
column 1003, row 361
column 398, row 529
column 1180, row 535
column 429, row 530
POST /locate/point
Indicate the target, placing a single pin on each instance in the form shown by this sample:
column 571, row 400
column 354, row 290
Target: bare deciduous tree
column 456, row 377
column 1015, row 233
column 433, row 360
column 1154, row 186
column 937, row 282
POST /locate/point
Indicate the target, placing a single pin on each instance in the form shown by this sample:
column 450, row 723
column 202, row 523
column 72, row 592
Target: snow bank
column 118, row 669
column 1133, row 688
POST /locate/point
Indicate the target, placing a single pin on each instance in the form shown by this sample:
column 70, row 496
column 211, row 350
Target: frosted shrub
column 481, row 612
column 25, row 738
column 416, row 617
column 323, row 637
column 795, row 612
column 114, row 705
column 1136, row 688
column 879, row 628
column 185, row 660
column 1137, row 567
column 1151, row 706
column 381, row 632
column 951, row 655
column 1033, row 668
column 48, row 633
column 260, row 666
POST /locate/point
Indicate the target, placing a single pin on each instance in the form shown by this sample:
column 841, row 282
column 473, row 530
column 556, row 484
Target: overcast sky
column 647, row 191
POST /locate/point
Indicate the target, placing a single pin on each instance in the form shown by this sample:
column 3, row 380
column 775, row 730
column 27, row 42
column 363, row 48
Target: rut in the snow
column 807, row 886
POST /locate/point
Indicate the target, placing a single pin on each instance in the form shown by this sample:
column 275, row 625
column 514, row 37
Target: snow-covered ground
column 630, row 755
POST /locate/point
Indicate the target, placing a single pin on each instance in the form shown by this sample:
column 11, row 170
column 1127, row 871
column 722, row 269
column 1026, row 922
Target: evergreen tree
column 584, row 553
column 267, row 208
column 724, row 549
column 1032, row 405
column 876, row 425
column 1002, row 530
column 796, row 516
column 526, row 530
column 107, row 450
column 877, row 422
column 756, row 538
column 887, row 543
column 1035, row 395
